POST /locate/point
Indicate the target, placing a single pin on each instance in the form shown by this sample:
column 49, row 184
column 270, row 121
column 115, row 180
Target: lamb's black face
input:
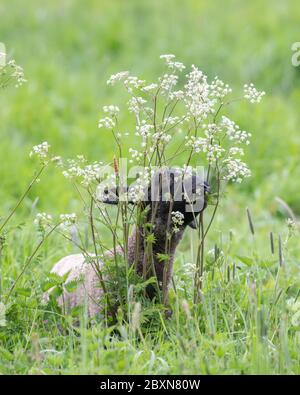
column 190, row 211
column 171, row 191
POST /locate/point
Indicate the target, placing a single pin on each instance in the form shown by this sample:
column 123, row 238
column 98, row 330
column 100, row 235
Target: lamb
column 159, row 212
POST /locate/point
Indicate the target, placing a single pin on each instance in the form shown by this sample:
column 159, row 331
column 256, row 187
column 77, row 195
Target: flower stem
column 10, row 215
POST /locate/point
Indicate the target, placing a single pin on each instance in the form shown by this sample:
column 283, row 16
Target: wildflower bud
column 116, row 167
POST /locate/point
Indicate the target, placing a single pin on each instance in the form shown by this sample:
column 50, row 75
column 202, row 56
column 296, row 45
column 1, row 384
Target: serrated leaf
column 56, row 292
column 71, row 286
column 140, row 286
column 55, row 278
column 150, row 238
column 163, row 257
column 47, row 285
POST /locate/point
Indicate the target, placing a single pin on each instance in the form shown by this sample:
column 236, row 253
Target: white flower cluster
column 167, row 57
column 252, row 94
column 132, row 82
column 219, row 89
column 161, row 137
column 212, row 150
column 111, row 110
column 135, row 155
column 144, row 130
column 107, row 123
column 168, row 82
column 171, row 64
column 216, row 148
column 233, row 131
column 86, row 173
column 149, row 88
column 74, row 167
column 137, row 191
column 11, row 72
column 43, row 220
column 197, row 95
column 177, row 220
column 135, row 104
column 117, row 77
column 129, row 81
column 236, row 151
column 292, row 226
column 235, row 170
column 17, row 73
column 67, row 220
column 41, row 151
column 161, row 111
column 176, row 95
column 189, row 108
column 199, row 98
column 91, row 173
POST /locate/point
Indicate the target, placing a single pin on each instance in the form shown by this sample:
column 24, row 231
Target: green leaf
column 246, row 260
column 23, row 291
column 150, row 238
column 5, row 354
column 77, row 310
column 47, row 285
column 163, row 257
column 141, row 286
column 267, row 262
column 71, row 286
column 56, row 292
column 55, row 278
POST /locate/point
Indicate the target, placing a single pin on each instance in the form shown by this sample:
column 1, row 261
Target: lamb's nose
column 206, row 187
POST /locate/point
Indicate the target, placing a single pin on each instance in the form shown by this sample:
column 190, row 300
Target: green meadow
column 248, row 321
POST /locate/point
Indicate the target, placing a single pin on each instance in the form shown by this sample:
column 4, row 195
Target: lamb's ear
column 193, row 224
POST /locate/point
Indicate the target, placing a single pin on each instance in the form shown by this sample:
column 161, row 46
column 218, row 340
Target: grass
column 68, row 49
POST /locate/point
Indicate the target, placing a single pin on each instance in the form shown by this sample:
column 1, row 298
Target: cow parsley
column 252, row 94
column 41, row 151
column 177, row 220
column 67, row 220
column 179, row 118
column 43, row 221
column 11, row 73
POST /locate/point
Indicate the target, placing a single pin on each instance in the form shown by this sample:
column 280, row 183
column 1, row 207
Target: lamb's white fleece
column 88, row 292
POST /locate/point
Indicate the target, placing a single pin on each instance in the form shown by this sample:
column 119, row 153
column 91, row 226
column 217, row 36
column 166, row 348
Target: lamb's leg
column 88, row 291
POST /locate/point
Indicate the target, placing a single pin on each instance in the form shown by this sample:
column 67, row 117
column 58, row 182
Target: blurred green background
column 69, row 48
